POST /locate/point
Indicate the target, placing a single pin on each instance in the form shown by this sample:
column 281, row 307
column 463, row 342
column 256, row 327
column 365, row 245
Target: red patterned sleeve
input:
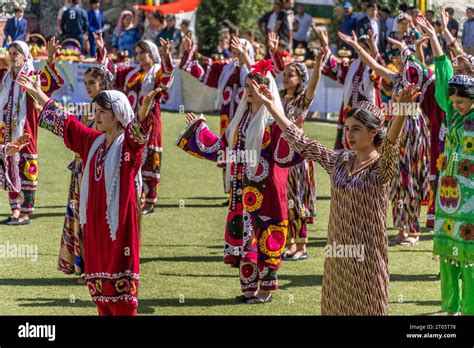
column 334, row 68
column 50, row 79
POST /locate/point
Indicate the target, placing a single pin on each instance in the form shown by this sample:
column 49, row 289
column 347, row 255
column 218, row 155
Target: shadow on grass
column 168, row 206
column 200, row 275
column 198, row 258
column 300, row 280
column 144, row 305
column 39, row 281
column 419, row 303
column 413, row 278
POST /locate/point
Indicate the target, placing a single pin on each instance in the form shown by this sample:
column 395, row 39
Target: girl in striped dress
column 355, row 281
column 410, row 187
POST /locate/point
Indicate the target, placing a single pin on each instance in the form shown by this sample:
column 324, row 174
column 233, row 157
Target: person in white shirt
column 303, row 22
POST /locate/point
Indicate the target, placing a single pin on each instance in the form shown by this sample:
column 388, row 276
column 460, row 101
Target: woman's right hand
column 191, row 118
column 16, row 146
column 187, row 42
column 350, row 40
column 99, row 41
column 426, row 26
column 27, row 83
column 322, row 35
column 272, row 41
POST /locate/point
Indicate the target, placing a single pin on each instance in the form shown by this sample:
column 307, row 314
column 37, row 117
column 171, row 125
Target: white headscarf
column 228, row 70
column 256, row 128
column 19, row 110
column 123, row 111
column 148, row 83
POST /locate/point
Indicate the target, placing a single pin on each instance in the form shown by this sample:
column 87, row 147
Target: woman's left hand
column 53, row 47
column 16, row 146
column 147, row 101
column 165, row 46
column 262, row 92
column 409, row 94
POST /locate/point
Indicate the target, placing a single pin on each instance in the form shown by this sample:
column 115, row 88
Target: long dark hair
column 370, row 121
column 105, row 78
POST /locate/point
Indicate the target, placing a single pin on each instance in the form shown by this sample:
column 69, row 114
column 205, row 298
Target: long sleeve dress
column 51, row 81
column 424, row 80
column 71, row 252
column 257, row 221
column 454, row 214
column 354, row 282
column 129, row 80
column 410, row 187
column 111, row 266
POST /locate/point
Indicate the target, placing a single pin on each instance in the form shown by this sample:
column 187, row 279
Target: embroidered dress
column 130, row 80
column 454, row 215
column 257, row 221
column 360, row 84
column 424, row 80
column 71, row 253
column 111, row 261
column 353, row 283
column 51, row 81
column 410, row 186
column 301, row 186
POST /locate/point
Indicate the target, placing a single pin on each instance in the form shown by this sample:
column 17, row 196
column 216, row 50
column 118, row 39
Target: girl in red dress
column 109, row 205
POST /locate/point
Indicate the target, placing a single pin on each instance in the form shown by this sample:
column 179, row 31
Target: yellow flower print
column 448, row 227
column 439, row 162
column 2, row 133
column 156, row 160
column 252, row 199
column 31, row 170
column 468, row 145
column 182, row 143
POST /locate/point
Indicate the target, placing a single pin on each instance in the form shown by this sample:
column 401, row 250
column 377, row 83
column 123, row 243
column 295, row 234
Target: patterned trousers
column 151, row 174
column 254, row 277
column 25, row 199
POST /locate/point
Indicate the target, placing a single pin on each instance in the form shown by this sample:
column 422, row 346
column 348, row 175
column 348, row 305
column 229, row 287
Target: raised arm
column 450, row 40
column 406, row 97
column 241, row 51
column 366, row 58
column 313, row 82
column 431, row 33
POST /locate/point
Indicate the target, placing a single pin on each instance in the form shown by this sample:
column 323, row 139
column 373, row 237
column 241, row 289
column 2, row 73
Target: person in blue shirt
column 350, row 19
column 75, row 23
column 15, row 27
column 96, row 24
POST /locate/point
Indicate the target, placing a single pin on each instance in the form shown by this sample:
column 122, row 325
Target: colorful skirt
column 71, row 253
column 410, row 185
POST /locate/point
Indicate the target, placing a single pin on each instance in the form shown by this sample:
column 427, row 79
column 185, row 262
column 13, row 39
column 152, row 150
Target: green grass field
column 182, row 272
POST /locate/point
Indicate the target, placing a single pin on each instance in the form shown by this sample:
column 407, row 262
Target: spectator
column 369, row 21
column 282, row 25
column 96, row 24
column 75, row 23
column 350, row 19
column 303, row 22
column 264, row 20
column 415, row 12
column 430, row 16
column 468, row 32
column 15, row 27
column 154, row 23
column 453, row 25
column 231, row 27
column 402, row 8
column 385, row 25
column 185, row 31
column 404, row 33
column 170, row 32
column 224, row 47
column 126, row 34
column 67, row 4
column 363, row 9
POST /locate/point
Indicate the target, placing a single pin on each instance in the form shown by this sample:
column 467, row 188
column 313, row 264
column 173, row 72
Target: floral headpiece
column 262, row 67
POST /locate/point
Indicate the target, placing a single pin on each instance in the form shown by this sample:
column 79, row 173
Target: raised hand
column 187, row 42
column 165, row 46
column 16, row 146
column 351, row 40
column 99, row 41
column 272, row 41
column 53, row 47
column 236, row 46
column 190, row 118
column 444, row 18
column 321, row 54
column 322, row 35
column 262, row 92
column 426, row 26
column 28, row 83
column 421, row 41
column 409, row 94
